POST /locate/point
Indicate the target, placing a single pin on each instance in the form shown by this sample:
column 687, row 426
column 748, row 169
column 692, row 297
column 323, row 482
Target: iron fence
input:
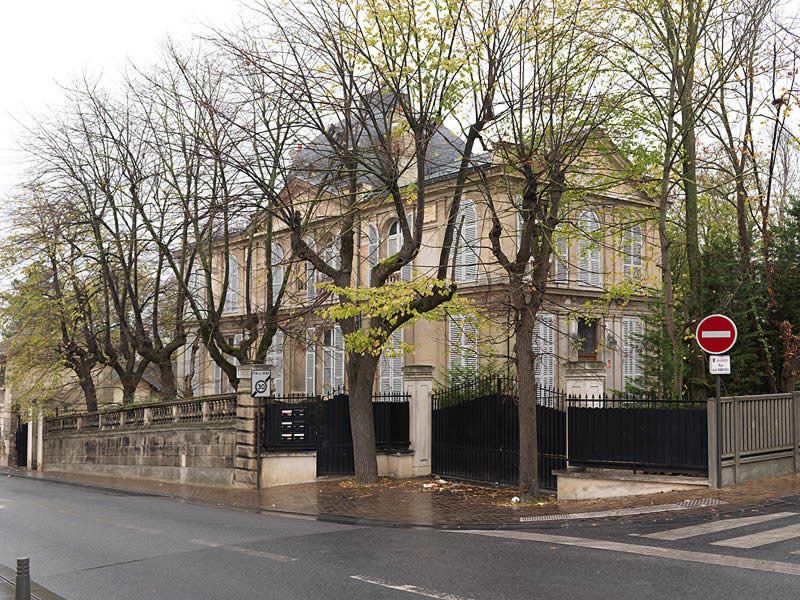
column 638, row 432
column 476, row 431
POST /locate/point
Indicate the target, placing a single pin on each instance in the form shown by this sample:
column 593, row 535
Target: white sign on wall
column 260, row 379
column 719, row 364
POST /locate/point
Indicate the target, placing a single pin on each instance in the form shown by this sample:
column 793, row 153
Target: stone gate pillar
column 246, row 463
column 418, row 382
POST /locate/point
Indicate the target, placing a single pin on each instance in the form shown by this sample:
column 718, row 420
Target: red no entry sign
column 716, row 334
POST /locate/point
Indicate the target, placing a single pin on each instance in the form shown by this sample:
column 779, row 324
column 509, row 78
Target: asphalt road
column 86, row 544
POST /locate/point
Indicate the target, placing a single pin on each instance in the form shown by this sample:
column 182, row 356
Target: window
column 275, row 358
column 219, row 388
column 391, row 375
column 589, row 260
column 232, row 293
column 278, row 271
column 393, row 244
column 587, row 337
column 311, row 364
column 632, row 331
column 463, row 344
column 333, row 360
column 632, row 252
column 467, row 243
column 373, row 250
column 544, row 350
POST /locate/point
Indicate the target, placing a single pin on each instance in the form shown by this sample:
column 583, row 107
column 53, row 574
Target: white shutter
column 217, row 379
column 278, row 271
column 391, row 376
column 632, row 330
column 327, row 361
column 544, row 350
column 632, row 252
column 454, row 336
column 562, row 258
column 275, row 358
column 373, row 249
column 311, row 365
column 470, row 346
column 311, row 276
column 589, row 260
column 338, row 358
column 467, row 258
column 232, row 294
column 405, row 272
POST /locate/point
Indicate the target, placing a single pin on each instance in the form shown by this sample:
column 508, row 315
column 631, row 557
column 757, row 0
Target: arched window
column 632, row 252
column 394, row 242
column 467, row 254
column 589, row 266
column 278, row 271
column 232, row 294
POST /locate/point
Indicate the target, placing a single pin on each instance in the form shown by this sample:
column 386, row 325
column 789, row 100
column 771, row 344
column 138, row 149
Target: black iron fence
column 476, row 431
column 640, row 433
column 298, row 422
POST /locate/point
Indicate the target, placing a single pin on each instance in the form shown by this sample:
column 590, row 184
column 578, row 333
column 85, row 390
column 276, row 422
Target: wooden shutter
column 470, row 342
column 311, row 364
column 544, row 349
column 590, row 258
column 275, row 358
column 632, row 252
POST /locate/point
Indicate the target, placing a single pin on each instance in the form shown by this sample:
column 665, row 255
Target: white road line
column 247, row 551
column 654, row 551
column 411, row 589
column 762, row 539
column 714, row 526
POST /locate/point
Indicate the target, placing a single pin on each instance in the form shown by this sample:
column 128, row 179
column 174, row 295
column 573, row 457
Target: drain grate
column 624, row 512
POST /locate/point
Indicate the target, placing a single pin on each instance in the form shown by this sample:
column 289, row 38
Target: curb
column 546, row 522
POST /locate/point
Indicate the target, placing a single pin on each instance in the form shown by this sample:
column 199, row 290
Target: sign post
column 716, row 335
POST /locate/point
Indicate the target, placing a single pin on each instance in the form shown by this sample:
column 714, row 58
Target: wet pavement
column 433, row 502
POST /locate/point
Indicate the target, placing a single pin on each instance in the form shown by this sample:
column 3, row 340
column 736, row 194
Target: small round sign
column 716, row 334
column 261, row 386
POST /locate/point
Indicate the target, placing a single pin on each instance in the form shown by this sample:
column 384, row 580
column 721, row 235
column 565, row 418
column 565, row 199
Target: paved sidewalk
column 430, row 502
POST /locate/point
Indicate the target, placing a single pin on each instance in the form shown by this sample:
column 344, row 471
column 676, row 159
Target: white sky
column 47, row 42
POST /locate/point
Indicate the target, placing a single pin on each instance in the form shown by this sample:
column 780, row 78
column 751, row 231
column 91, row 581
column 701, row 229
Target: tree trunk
column 526, row 391
column 166, row 376
column 128, row 393
column 89, row 392
column 361, row 371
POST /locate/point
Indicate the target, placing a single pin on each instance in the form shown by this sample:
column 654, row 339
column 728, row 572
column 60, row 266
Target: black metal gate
column 335, row 451
column 476, row 432
column 21, row 444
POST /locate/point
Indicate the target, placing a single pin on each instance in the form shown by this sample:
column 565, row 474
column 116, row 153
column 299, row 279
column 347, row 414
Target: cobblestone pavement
column 431, row 502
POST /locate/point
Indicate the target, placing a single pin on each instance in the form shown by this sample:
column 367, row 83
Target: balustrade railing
column 206, row 409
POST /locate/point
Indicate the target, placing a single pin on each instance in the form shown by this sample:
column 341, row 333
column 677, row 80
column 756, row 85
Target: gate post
column 713, row 408
column 246, row 464
column 418, row 382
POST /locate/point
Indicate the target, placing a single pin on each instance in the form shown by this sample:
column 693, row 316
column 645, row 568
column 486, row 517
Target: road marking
column 247, row 551
column 714, row 526
column 654, row 551
column 716, row 334
column 762, row 539
column 411, row 589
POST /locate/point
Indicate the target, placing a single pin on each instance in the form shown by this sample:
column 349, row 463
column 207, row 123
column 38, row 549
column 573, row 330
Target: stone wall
column 199, row 453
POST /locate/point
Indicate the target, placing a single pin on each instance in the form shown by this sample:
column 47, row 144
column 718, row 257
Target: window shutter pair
column 463, row 343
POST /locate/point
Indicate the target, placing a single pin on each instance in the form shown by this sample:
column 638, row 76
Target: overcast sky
column 47, row 42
